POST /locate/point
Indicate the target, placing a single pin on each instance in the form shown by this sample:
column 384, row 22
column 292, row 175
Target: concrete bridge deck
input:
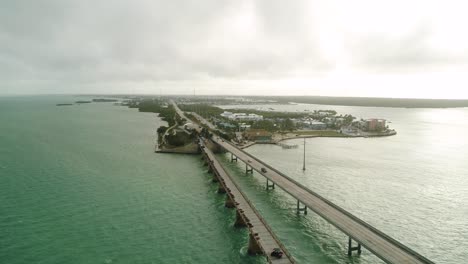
column 382, row 245
column 262, row 239
column 379, row 243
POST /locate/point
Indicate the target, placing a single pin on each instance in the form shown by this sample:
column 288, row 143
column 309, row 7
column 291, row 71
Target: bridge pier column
column 299, row 209
column 221, row 188
column 229, row 202
column 247, row 170
column 254, row 247
column 233, row 158
column 210, row 168
column 240, row 222
column 270, row 186
column 215, row 177
column 351, row 248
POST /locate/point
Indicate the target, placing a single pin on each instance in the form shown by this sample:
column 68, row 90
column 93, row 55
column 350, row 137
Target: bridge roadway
column 262, row 235
column 382, row 245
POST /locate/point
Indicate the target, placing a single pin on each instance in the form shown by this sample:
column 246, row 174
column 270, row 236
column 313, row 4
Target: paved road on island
column 382, row 245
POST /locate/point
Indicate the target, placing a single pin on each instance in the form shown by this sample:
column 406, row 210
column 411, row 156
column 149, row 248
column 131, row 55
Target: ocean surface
column 412, row 186
column 82, row 184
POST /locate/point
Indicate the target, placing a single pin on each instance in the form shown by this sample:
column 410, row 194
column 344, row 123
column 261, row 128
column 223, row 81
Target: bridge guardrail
column 362, row 222
column 355, row 218
column 283, row 248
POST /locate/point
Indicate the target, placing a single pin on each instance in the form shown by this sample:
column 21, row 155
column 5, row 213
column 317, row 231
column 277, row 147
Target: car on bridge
column 263, row 170
column 276, row 253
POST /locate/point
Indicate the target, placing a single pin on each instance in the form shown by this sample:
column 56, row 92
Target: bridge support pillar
column 240, row 222
column 247, row 170
column 254, row 247
column 351, row 248
column 270, row 186
column 215, row 177
column 233, row 158
column 221, row 188
column 229, row 202
column 299, row 209
column 210, row 168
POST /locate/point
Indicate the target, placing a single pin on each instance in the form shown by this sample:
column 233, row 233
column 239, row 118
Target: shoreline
column 275, row 142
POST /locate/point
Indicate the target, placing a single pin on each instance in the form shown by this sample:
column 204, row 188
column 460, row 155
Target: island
column 246, row 127
column 103, row 100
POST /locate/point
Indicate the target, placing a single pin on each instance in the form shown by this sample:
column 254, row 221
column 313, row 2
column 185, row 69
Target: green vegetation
column 179, row 139
column 103, row 100
column 162, row 129
column 204, row 110
column 287, row 124
column 266, row 125
column 166, row 111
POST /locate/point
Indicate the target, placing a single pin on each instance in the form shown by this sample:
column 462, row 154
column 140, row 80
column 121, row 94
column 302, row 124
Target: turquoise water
column 81, row 184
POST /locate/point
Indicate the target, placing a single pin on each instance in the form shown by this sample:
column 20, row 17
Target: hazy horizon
column 333, row 48
column 225, row 95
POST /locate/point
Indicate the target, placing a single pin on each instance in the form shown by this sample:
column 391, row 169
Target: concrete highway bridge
column 262, row 239
column 358, row 231
column 363, row 234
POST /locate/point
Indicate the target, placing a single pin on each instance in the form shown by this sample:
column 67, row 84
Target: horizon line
column 226, row 95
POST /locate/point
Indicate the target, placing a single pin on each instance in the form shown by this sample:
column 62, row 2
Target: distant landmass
column 102, row 100
column 371, row 101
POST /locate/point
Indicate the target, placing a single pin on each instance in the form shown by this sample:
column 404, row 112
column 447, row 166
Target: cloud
column 47, row 46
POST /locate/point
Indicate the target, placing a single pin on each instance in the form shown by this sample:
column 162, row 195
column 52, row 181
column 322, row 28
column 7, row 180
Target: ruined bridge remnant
column 377, row 242
column 365, row 235
column 262, row 240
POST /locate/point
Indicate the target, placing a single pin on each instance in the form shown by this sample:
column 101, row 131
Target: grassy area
column 320, row 133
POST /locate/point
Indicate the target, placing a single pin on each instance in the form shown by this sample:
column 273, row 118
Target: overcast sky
column 398, row 48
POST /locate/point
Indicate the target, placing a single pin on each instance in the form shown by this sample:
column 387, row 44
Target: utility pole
column 303, row 165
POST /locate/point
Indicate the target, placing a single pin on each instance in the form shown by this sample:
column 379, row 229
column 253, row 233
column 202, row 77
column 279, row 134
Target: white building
column 226, row 114
column 241, row 116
